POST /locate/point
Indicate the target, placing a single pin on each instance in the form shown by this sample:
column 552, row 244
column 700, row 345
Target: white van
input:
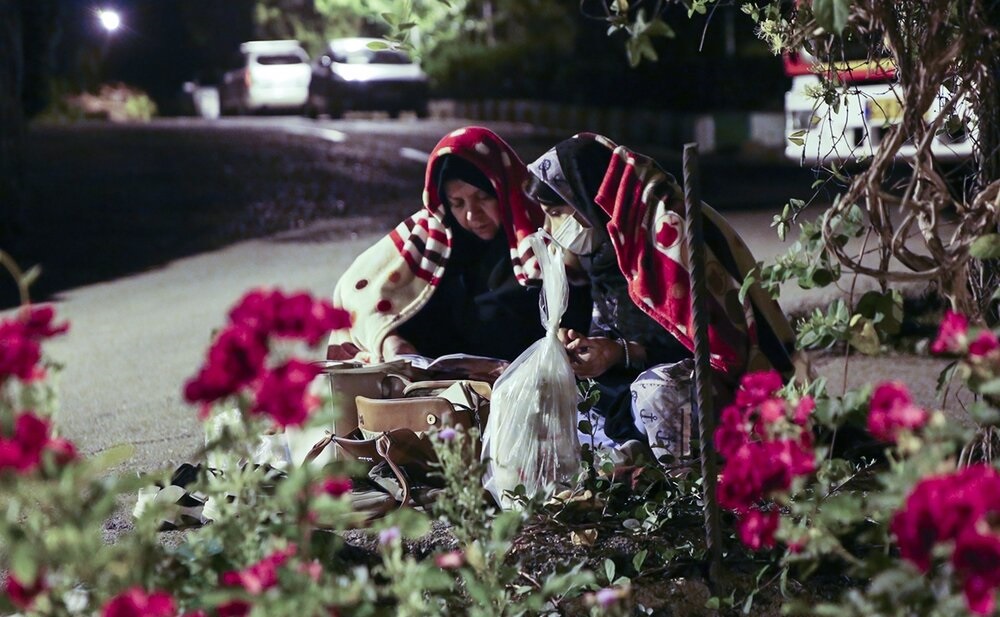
column 817, row 132
column 266, row 75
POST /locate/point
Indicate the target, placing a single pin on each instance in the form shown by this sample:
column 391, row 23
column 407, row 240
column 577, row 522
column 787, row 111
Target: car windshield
column 279, row 59
column 371, row 56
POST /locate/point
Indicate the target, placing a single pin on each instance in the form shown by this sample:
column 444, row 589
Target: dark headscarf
column 642, row 209
column 575, row 170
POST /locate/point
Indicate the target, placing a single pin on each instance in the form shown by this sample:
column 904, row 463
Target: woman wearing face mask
column 458, row 276
column 621, row 218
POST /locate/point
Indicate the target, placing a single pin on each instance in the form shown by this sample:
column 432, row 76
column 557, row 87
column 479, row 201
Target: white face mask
column 574, row 237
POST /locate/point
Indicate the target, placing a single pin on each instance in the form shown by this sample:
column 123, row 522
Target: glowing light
column 110, row 20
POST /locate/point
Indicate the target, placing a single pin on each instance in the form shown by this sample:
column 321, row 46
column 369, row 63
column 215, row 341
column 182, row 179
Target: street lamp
column 110, row 20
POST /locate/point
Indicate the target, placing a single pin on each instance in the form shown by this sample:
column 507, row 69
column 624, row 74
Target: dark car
column 349, row 75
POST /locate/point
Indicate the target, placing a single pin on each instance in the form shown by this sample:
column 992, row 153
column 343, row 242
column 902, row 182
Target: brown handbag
column 348, row 380
column 396, row 430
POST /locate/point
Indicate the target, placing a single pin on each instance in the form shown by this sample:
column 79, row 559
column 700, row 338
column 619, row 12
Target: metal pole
column 702, row 369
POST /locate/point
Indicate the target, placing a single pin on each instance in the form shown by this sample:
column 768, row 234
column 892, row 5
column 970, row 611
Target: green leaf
column 112, row 457
column 832, row 15
column 411, row 523
column 986, row 247
column 713, row 603
column 990, row 387
column 863, row 336
column 23, row 564
column 638, row 560
column 983, row 414
column 609, row 569
column 586, row 427
column 944, row 377
column 506, row 525
column 747, row 284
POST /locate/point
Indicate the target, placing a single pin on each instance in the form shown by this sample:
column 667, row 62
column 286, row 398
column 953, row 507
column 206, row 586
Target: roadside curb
column 714, row 132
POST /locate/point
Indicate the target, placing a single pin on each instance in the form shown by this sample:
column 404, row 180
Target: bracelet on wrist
column 624, row 343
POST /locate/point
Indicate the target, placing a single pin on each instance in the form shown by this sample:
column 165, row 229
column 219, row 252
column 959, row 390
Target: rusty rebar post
column 702, row 368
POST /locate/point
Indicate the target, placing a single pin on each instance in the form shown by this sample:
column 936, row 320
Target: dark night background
column 715, row 63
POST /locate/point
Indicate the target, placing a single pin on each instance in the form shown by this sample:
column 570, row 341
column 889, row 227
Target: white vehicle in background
column 818, row 133
column 266, row 75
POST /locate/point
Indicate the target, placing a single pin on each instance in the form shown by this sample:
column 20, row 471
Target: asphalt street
column 147, row 234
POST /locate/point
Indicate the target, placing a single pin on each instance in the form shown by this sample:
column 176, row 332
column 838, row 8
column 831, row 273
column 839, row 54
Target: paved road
column 147, row 235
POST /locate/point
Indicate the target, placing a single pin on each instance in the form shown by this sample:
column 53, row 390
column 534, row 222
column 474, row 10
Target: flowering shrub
column 766, row 445
column 912, row 531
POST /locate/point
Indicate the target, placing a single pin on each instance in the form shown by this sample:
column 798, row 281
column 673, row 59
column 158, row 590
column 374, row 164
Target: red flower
column 984, row 346
column 757, row 387
column 260, row 576
column 977, row 562
column 952, row 336
column 38, row 322
column 757, row 529
column 21, row 595
column 891, row 411
column 233, row 608
column 235, row 359
column 20, row 342
column 940, row 508
column 283, row 393
column 299, row 316
column 22, row 452
column 732, row 431
column 337, row 486
column 135, row 602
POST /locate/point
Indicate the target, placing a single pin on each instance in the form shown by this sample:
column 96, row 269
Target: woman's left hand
column 592, row 356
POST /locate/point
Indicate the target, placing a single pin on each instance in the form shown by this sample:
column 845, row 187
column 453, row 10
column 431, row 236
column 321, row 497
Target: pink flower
column 892, row 411
column 388, row 536
column 449, row 560
column 977, row 563
column 757, row 387
column 283, row 393
column 952, row 336
column 260, row 576
column 984, row 346
column 446, row 434
column 337, row 486
column 23, row 596
column 757, row 529
column 732, row 431
column 771, row 410
column 803, row 410
column 607, row 597
column 135, row 602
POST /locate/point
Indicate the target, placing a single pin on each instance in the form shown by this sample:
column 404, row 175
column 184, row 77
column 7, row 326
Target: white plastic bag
column 531, row 436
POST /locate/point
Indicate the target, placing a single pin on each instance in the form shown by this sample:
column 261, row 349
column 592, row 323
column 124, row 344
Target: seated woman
column 620, row 217
column 458, row 276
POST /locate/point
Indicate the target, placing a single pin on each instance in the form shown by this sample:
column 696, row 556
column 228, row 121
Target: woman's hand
column 590, row 356
column 394, row 346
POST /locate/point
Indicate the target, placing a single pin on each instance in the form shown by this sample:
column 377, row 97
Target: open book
column 458, row 366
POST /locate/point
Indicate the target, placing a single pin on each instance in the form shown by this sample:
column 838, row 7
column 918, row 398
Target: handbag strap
column 383, row 446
